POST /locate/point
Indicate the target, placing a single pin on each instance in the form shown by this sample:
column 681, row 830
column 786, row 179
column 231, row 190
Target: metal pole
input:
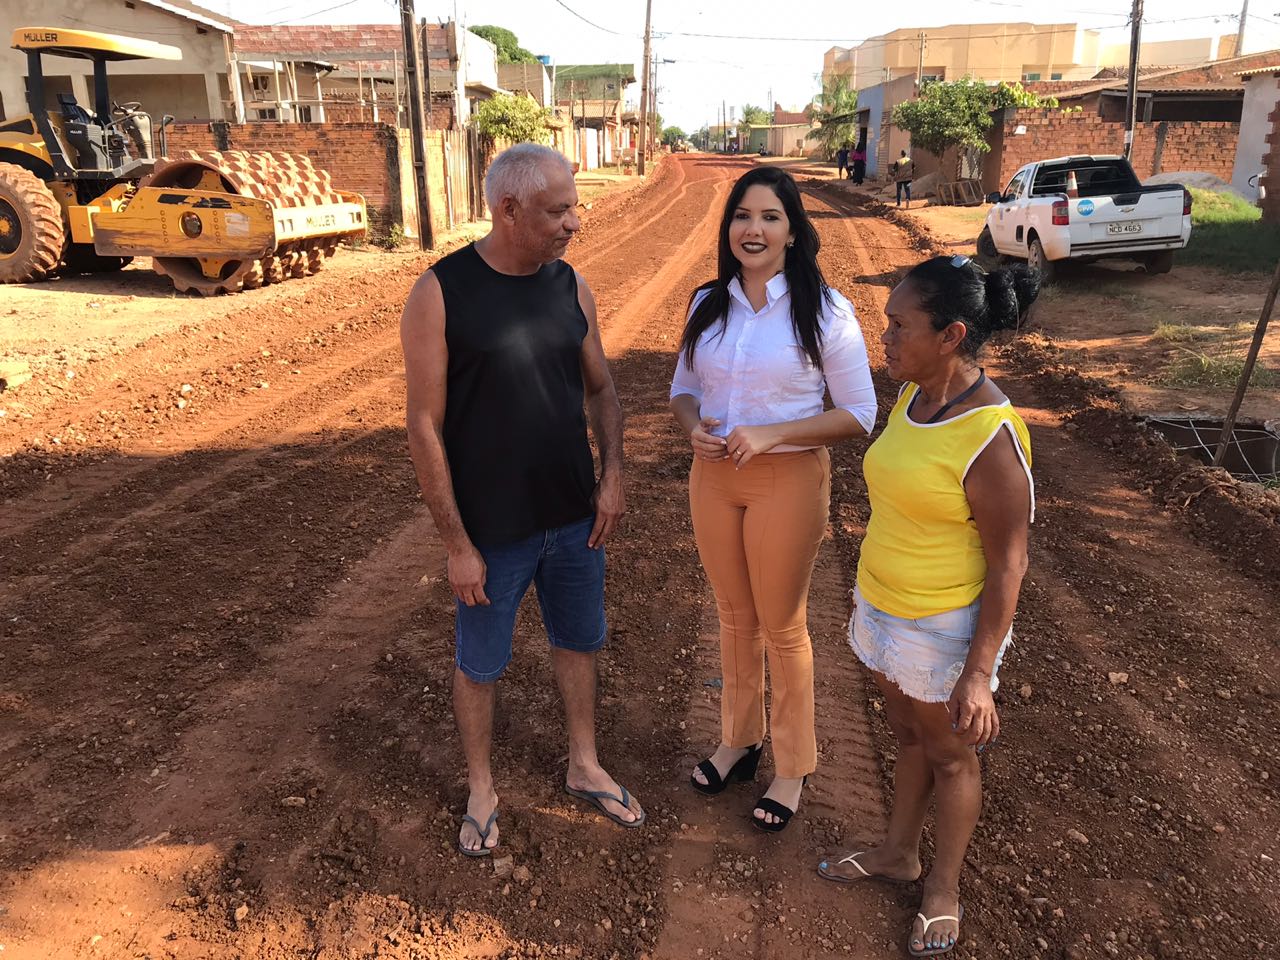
column 920, row 63
column 1131, row 110
column 644, row 89
column 426, row 233
column 724, row 117
column 1244, row 15
column 1250, row 359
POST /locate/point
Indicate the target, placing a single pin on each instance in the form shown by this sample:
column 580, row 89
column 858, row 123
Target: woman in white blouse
column 763, row 341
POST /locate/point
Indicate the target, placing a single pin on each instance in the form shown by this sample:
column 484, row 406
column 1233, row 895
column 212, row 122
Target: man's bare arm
column 426, row 360
column 605, row 414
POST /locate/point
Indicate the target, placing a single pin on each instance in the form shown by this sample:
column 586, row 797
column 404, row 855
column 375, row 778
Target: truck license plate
column 1124, row 228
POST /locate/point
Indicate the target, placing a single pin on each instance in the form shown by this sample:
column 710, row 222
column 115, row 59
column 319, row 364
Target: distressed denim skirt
column 923, row 656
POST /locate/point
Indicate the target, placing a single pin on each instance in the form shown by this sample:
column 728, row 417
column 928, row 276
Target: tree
column 835, row 114
column 753, row 116
column 958, row 114
column 516, row 119
column 671, row 134
column 509, row 49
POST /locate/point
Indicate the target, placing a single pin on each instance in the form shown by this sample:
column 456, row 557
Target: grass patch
column 1183, row 333
column 1196, row 369
column 1227, row 232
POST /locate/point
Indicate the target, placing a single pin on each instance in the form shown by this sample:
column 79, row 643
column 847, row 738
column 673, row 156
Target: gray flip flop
column 484, row 836
column 597, row 797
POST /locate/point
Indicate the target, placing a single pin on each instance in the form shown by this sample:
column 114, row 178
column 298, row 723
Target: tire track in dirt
column 162, row 491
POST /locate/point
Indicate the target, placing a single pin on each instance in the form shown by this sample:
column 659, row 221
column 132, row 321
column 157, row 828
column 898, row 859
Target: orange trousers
column 758, row 531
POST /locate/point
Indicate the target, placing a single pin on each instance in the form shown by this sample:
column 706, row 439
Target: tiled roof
column 1220, row 75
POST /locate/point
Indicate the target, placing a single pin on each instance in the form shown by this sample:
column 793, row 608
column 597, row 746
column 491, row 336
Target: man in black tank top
column 502, row 355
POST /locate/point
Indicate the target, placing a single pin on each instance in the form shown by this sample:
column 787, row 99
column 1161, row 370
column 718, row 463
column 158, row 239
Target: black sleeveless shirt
column 515, row 432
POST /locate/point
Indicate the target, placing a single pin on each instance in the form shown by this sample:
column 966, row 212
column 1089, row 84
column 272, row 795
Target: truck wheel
column 31, row 231
column 1038, row 262
column 82, row 258
column 1161, row 262
column 987, row 244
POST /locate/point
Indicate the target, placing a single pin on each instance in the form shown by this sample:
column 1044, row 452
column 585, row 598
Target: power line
column 315, row 13
column 616, row 33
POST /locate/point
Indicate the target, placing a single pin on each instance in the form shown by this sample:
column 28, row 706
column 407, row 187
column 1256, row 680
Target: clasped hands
column 739, row 446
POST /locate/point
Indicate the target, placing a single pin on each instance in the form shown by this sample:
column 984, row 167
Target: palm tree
column 835, row 115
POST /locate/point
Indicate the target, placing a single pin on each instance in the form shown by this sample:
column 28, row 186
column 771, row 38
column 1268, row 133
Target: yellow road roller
column 82, row 190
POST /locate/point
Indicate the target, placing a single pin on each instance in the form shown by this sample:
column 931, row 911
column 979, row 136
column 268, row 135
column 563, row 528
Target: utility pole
column 642, row 147
column 1131, row 108
column 724, row 116
column 426, row 234
column 1244, row 15
column 920, row 62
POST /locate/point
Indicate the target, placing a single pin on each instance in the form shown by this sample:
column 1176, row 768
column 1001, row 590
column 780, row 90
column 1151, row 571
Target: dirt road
column 225, row 658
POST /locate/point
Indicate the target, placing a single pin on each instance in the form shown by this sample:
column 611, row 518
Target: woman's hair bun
column 1010, row 293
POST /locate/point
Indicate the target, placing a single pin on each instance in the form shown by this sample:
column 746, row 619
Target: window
column 1055, row 76
column 261, row 88
column 268, row 113
column 1030, row 77
column 930, row 77
column 304, row 114
column 1014, row 188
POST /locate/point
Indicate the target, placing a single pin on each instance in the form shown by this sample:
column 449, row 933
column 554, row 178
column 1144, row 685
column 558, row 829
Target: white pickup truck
column 1043, row 219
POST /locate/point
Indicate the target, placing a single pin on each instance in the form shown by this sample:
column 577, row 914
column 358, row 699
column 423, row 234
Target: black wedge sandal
column 744, row 769
column 769, row 805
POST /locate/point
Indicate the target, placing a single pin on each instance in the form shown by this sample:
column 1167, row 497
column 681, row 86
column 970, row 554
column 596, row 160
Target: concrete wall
column 1005, row 51
column 872, row 100
column 196, row 94
column 361, row 157
column 1158, row 147
column 1261, row 94
column 531, row 78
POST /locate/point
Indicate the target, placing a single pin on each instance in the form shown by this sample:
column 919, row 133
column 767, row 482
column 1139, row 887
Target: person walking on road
column 940, row 570
column 762, row 343
column 904, row 171
column 858, row 162
column 842, row 161
column 502, row 352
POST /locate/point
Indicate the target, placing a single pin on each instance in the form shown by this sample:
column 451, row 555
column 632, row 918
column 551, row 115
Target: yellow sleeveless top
column 922, row 554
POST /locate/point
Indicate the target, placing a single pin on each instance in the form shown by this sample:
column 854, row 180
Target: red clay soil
column 225, row 656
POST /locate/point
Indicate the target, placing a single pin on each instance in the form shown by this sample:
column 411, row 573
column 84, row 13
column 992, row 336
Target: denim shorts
column 569, row 576
column 923, row 656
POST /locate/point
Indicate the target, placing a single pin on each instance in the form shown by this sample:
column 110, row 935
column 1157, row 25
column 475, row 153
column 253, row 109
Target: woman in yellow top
column 940, row 569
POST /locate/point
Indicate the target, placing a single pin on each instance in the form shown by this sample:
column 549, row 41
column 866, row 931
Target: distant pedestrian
column 858, row 161
column 842, row 161
column 502, row 353
column 940, row 570
column 903, row 173
column 764, row 341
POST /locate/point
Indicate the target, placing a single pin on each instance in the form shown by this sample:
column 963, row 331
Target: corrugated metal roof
column 1257, row 70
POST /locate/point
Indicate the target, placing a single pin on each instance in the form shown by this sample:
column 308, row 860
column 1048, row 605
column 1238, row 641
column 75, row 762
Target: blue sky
column 737, row 67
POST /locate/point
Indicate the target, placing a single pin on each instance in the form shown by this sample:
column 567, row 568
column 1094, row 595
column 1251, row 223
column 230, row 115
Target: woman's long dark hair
column 804, row 277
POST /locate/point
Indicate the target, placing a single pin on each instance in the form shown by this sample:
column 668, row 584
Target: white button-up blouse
column 756, row 373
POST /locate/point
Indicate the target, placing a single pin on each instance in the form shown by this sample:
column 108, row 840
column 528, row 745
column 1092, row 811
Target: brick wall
column 1172, row 146
column 361, row 157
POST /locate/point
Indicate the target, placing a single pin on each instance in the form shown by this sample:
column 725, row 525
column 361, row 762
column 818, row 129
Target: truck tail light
column 1060, row 215
column 1186, row 202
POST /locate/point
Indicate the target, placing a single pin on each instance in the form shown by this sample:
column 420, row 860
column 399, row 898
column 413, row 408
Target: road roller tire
column 31, row 231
